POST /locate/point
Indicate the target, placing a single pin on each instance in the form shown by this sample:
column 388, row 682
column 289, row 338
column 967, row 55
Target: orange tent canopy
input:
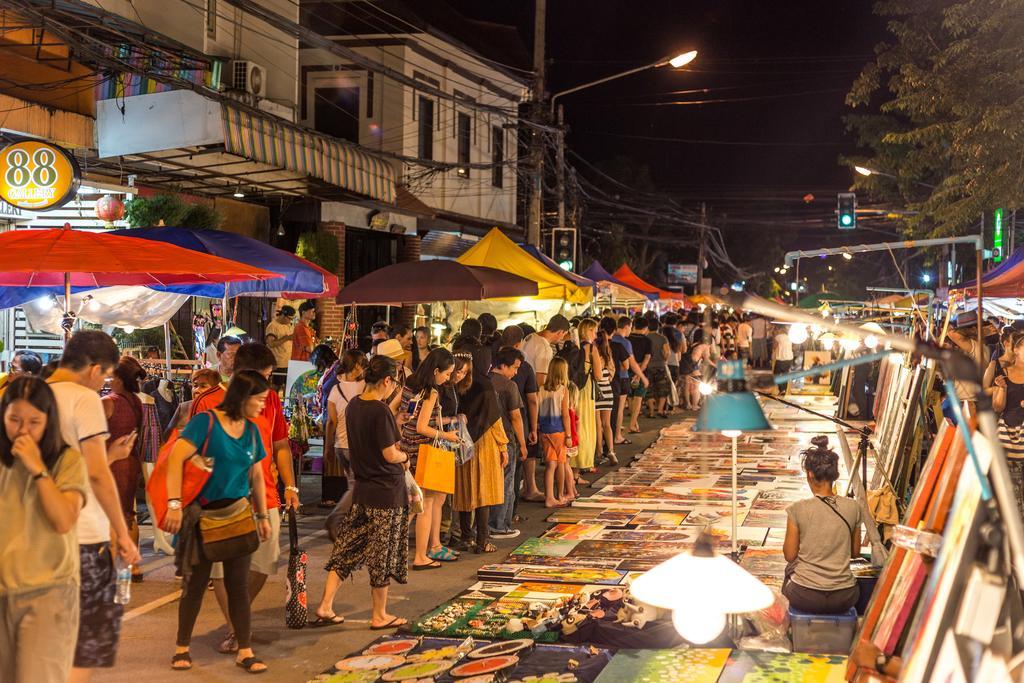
column 626, row 275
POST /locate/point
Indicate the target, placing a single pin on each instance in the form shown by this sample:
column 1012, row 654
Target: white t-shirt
column 538, row 353
column 744, row 333
column 282, row 350
column 783, row 347
column 82, row 418
column 340, row 395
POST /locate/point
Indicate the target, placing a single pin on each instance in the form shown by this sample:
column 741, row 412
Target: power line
column 695, row 141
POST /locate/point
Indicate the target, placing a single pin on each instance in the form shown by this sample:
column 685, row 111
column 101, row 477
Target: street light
column 863, row 171
column 675, row 62
column 682, row 59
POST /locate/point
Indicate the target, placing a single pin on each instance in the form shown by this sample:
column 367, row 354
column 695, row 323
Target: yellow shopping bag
column 435, row 469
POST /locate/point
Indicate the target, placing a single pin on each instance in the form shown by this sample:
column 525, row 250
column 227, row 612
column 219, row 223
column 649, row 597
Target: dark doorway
column 365, row 252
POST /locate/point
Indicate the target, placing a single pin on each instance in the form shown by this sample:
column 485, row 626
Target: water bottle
column 124, row 584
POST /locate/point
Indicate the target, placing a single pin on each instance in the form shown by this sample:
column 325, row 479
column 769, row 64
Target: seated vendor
column 822, row 534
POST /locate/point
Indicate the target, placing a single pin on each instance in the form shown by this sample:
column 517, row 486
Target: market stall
column 555, row 290
column 626, row 275
column 613, row 292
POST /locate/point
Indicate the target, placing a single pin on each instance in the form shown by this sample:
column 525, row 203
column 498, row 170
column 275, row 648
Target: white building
column 477, row 148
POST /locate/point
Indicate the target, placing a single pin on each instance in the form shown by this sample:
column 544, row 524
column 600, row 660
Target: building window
column 497, row 156
column 211, row 19
column 465, row 125
column 426, row 128
column 336, row 112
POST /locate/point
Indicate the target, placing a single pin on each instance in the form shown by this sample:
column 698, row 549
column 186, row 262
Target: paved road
column 147, row 636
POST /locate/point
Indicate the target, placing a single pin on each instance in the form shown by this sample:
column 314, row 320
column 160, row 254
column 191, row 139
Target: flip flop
column 396, row 622
column 333, row 620
column 443, row 554
column 424, row 567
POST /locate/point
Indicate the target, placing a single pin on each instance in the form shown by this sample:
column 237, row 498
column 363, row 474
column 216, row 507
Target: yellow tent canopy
column 496, row 250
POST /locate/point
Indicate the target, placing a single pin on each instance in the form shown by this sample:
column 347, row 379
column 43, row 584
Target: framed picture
column 813, row 359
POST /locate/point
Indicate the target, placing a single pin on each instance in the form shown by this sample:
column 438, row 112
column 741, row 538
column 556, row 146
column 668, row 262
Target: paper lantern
column 109, row 208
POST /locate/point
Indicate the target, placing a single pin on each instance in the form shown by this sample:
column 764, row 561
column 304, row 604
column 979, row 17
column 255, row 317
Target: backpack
column 577, row 361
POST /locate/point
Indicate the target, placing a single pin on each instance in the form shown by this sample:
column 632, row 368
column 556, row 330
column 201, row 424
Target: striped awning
column 289, row 147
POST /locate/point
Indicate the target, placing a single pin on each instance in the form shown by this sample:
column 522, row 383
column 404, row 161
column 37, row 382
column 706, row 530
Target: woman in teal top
column 232, row 441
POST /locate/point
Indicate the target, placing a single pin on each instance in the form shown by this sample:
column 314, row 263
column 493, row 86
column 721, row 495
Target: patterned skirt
column 1012, row 439
column 375, row 538
column 604, row 399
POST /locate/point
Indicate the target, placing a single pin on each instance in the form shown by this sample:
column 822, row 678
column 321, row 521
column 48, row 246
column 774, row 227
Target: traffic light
column 846, row 210
column 564, row 248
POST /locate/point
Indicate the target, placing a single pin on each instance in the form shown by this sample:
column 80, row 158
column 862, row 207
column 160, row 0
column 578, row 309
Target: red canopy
column 47, row 258
column 631, row 279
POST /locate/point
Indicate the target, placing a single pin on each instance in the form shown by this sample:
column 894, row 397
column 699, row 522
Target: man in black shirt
column 642, row 353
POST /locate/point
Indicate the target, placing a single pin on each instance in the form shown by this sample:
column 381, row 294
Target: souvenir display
column 418, row 670
column 392, row 647
column 508, row 647
column 365, row 662
column 484, row 666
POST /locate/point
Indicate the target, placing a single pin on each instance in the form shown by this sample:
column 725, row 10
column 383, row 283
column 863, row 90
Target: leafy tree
column 940, row 109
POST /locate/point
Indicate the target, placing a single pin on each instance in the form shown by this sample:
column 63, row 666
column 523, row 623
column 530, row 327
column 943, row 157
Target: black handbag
column 296, row 608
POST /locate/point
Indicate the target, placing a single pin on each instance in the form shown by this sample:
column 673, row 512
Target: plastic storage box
column 823, row 634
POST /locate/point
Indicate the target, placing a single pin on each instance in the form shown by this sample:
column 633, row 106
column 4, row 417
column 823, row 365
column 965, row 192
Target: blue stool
column 823, row 634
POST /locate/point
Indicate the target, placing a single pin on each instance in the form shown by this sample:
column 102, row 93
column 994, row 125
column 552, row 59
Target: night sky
column 784, row 66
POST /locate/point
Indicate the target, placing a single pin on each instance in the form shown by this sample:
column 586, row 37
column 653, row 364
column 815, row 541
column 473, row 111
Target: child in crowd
column 554, row 423
column 572, row 434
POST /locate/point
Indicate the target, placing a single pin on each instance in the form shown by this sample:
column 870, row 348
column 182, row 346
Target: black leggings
column 236, row 582
column 466, row 522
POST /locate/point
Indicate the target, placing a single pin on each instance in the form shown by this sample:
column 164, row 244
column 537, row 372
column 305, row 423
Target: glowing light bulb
column 45, row 304
column 93, row 305
column 128, row 329
column 798, row 333
column 828, row 340
column 849, row 345
column 706, row 388
column 871, row 341
column 848, row 256
column 698, row 624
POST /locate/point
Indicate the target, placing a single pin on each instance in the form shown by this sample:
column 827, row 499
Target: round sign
column 392, row 647
column 502, row 647
column 365, row 662
column 37, row 176
column 484, row 666
column 418, row 670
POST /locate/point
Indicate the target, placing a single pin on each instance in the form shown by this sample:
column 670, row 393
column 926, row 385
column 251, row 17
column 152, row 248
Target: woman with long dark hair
column 602, row 367
column 420, row 345
column 228, row 436
column 479, row 483
column 349, row 384
column 822, row 534
column 375, row 532
column 42, row 490
column 125, row 413
column 421, row 402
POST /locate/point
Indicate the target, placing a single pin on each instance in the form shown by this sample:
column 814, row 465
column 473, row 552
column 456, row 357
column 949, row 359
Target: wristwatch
column 294, row 489
column 881, row 661
column 174, row 504
column 43, row 474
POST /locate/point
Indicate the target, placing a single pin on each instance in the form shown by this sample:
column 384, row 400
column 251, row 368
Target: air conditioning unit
column 249, row 77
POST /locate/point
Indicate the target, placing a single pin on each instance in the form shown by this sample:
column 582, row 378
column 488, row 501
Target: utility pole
column 700, row 250
column 560, row 164
column 536, row 205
